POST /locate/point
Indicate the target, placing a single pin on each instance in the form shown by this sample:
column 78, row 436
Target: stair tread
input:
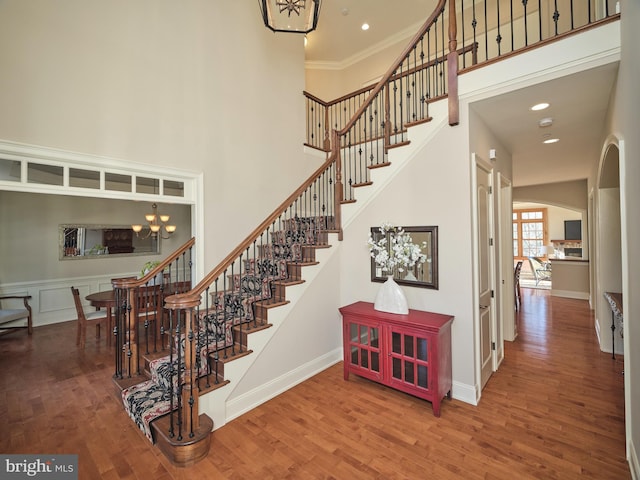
column 379, row 165
column 399, row 144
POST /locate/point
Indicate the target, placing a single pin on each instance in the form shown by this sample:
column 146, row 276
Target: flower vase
column 391, row 298
column 410, row 276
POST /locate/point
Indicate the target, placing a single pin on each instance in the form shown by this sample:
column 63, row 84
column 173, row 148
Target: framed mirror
column 100, row 241
column 423, row 275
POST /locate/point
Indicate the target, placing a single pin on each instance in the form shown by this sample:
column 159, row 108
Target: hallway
column 554, row 410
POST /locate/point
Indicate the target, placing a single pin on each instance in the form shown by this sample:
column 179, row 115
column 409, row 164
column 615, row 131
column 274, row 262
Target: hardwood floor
column 554, row 410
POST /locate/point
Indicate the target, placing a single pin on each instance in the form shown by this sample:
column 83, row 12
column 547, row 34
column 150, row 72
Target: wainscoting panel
column 51, row 300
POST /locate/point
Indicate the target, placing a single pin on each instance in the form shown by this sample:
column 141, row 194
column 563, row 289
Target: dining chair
column 10, row 315
column 99, row 317
column 541, row 270
column 516, row 284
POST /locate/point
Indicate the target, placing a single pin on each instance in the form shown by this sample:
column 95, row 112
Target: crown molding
column 405, row 34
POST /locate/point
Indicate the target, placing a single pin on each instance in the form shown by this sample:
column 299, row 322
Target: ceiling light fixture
column 546, row 122
column 290, row 16
column 156, row 222
column 365, row 26
column 539, row 106
column 551, row 140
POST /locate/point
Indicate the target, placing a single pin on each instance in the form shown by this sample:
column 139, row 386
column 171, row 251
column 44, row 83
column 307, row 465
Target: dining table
column 106, row 300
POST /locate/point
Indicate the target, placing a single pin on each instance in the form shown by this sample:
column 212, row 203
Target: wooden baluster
column 452, row 65
column 338, row 193
column 190, row 393
column 327, row 130
column 131, row 337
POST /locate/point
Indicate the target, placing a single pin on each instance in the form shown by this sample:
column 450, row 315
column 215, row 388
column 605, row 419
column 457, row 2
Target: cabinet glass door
column 410, row 359
column 364, row 347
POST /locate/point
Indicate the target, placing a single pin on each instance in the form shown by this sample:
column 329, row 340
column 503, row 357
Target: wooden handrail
column 186, row 300
column 410, row 71
column 131, row 282
column 387, row 76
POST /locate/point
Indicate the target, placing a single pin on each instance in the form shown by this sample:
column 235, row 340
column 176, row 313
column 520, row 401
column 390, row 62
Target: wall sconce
column 291, row 16
column 156, row 223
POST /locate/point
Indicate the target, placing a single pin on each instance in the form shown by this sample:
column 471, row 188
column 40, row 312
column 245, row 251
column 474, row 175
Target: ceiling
column 578, row 103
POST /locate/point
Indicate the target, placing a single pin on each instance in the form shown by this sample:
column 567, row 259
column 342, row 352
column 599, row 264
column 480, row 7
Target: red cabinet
column 411, row 353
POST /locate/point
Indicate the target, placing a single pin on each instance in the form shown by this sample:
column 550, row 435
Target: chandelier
column 157, row 223
column 294, row 16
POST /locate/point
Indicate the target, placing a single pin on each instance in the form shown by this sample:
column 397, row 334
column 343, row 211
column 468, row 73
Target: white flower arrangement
column 395, row 250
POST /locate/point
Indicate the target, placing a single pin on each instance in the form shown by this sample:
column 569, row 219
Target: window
column 529, row 232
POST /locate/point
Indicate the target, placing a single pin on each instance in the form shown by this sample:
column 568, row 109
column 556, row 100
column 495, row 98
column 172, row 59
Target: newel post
column 452, row 67
column 327, row 130
column 190, row 394
column 339, row 190
column 183, row 306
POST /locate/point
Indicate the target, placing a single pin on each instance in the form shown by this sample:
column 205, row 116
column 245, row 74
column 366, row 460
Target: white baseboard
column 464, row 393
column 632, row 456
column 570, row 294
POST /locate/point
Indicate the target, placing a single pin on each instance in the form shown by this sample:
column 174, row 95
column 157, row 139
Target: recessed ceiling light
column 365, row 26
column 539, row 106
column 551, row 140
column 546, row 122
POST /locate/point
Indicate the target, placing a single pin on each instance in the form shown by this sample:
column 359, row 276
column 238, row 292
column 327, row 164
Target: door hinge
column 491, row 242
column 490, row 189
column 493, row 345
column 493, row 294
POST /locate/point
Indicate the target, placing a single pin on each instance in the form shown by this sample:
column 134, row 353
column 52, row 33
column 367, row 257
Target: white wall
column 629, row 118
column 332, row 80
column 185, row 84
column 414, row 197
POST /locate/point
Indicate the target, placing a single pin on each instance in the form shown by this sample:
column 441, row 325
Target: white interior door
column 486, row 314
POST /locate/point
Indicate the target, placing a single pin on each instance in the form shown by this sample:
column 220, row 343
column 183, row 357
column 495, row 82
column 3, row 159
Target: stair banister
column 127, row 341
column 387, row 76
column 132, row 282
column 185, row 300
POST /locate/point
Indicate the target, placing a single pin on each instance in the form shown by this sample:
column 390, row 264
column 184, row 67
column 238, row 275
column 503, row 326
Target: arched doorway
column 608, row 273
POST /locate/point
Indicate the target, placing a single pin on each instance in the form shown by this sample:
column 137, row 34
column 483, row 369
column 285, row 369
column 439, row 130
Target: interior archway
column 608, row 248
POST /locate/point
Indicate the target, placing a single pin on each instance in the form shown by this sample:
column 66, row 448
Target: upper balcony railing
column 489, row 30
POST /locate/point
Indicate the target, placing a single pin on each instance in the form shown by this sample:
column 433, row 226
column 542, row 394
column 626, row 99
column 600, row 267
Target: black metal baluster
column 526, row 32
column 464, row 38
column 571, row 12
column 444, row 54
column 498, row 37
column 540, row 20
column 511, row 22
column 486, row 31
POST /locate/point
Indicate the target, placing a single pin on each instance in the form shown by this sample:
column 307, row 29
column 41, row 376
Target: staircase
column 152, row 394
column 203, row 336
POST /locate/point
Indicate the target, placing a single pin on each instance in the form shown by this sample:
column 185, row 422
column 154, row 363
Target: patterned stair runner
column 146, row 401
